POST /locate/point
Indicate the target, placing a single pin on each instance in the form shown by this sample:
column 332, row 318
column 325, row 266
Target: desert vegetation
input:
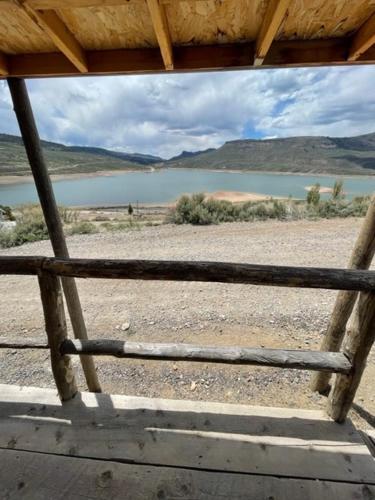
column 30, row 224
column 198, row 209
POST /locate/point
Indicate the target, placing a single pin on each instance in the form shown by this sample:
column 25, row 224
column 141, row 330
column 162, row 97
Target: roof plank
column 160, row 23
column 50, row 23
column 363, row 39
column 275, row 14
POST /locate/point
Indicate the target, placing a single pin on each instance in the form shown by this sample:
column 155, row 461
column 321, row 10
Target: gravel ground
column 206, row 313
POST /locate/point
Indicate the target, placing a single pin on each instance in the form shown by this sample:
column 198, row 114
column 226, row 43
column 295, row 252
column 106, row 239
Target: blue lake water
column 167, row 185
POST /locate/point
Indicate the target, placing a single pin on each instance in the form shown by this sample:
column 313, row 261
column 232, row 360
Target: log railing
column 348, row 365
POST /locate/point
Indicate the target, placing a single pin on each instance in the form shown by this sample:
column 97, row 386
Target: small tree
column 338, row 190
column 130, row 209
column 313, row 196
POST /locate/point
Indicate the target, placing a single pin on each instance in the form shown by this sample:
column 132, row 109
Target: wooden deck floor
column 101, row 446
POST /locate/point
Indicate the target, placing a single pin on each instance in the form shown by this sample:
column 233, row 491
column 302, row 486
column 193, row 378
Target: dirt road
column 194, row 312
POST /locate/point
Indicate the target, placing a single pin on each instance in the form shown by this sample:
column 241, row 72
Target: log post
column 54, row 316
column 358, row 343
column 30, row 136
column 361, row 258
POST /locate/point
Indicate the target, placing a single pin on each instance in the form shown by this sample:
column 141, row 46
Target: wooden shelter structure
column 92, row 445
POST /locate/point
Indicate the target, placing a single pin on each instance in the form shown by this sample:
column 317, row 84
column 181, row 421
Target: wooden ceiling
column 80, row 37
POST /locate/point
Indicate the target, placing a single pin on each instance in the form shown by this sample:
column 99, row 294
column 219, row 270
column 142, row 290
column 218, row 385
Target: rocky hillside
column 314, row 155
column 68, row 159
column 351, row 155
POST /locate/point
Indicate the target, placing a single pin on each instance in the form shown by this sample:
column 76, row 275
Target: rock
column 125, row 326
column 193, row 386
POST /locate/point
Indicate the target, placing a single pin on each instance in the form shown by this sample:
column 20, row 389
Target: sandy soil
column 195, row 312
column 237, row 196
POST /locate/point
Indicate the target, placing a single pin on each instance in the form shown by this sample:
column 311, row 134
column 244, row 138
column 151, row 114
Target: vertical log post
column 359, row 340
column 361, row 258
column 54, row 316
column 30, row 136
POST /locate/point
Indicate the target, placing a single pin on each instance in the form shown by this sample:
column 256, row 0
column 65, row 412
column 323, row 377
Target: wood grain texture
column 273, row 18
column 160, row 23
column 216, row 272
column 29, row 475
column 34, row 151
column 359, row 340
column 361, row 258
column 212, row 436
column 286, row 54
column 179, row 270
column 304, row 360
column 23, row 343
column 20, row 265
column 363, row 39
column 64, row 40
column 54, row 317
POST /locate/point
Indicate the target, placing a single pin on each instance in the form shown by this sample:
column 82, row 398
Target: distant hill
column 313, row 155
column 309, row 155
column 68, row 159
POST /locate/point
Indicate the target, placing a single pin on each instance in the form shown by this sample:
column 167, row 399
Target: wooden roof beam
column 275, row 14
column 160, row 23
column 363, row 39
column 4, row 70
column 58, row 32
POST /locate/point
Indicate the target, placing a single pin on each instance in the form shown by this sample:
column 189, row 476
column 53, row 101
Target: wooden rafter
column 275, row 14
column 198, row 58
column 4, row 70
column 363, row 39
column 160, row 23
column 64, row 40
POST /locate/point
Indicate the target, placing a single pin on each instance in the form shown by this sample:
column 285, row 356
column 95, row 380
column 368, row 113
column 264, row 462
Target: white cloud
column 166, row 114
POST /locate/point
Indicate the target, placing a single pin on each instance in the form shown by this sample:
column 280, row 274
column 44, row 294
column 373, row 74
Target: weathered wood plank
column 363, row 39
column 34, row 151
column 361, row 258
column 275, row 14
column 54, row 317
column 304, row 360
column 359, row 340
column 20, row 265
column 49, row 21
column 23, row 343
column 214, row 436
column 298, row 53
column 43, row 477
column 217, row 272
column 160, row 23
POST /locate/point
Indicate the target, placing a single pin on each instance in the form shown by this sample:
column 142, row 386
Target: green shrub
column 7, row 211
column 83, row 227
column 30, row 227
column 313, row 195
column 196, row 209
column 68, row 216
column 338, row 190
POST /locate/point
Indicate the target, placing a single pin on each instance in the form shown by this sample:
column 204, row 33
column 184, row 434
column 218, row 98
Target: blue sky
column 166, row 114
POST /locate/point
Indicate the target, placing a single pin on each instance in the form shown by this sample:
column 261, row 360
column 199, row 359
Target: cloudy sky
column 164, row 115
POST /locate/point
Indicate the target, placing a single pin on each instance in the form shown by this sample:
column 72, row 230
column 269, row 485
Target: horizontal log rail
column 6, row 343
column 281, row 358
column 219, row 272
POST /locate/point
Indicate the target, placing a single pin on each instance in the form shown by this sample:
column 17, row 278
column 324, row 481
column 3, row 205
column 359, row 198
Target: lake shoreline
column 26, row 179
